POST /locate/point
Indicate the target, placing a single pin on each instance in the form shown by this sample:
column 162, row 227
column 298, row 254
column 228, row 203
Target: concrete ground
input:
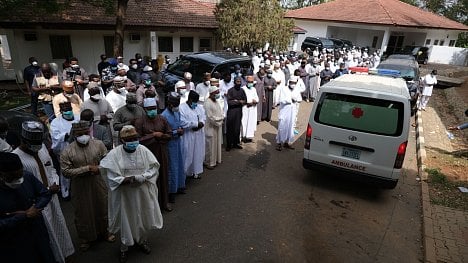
column 260, row 205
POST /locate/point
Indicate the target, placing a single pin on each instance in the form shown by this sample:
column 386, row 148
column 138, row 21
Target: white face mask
column 15, row 184
column 207, row 83
column 68, row 95
column 96, row 97
column 34, row 63
column 292, row 86
column 134, row 66
column 83, row 139
column 122, row 89
column 182, row 91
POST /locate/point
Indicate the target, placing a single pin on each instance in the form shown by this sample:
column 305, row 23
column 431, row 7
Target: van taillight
column 400, row 155
column 308, row 137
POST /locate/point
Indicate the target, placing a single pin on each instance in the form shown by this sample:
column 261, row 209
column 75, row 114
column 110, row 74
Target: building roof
column 299, row 30
column 376, row 12
column 141, row 13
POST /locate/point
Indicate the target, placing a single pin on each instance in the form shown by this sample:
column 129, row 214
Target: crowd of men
column 123, row 144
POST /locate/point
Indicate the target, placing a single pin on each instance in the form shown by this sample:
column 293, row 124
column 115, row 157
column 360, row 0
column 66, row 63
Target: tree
column 249, row 24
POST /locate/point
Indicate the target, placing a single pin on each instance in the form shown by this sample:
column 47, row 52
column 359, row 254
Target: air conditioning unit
column 135, row 37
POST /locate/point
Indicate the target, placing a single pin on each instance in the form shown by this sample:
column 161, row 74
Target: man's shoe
column 196, row 176
column 145, row 248
column 279, row 147
column 237, row 146
column 288, row 146
column 209, row 167
column 228, row 149
column 181, row 191
column 123, row 256
column 168, row 208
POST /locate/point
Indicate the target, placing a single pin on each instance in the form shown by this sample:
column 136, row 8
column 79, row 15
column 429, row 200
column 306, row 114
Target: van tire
column 390, row 184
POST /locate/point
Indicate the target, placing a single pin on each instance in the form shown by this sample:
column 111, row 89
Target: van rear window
column 376, row 116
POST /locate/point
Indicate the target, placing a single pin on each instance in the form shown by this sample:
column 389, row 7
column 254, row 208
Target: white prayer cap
column 180, row 84
column 294, row 79
column 147, row 68
column 244, row 54
column 149, row 102
column 213, row 89
column 119, row 57
column 121, row 67
column 188, row 75
column 120, row 78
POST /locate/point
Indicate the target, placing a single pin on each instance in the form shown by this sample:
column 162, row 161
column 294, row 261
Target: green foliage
column 436, row 176
column 249, row 24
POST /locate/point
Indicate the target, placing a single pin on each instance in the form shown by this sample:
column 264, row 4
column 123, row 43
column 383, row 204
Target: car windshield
column 180, row 67
column 327, row 42
column 405, row 71
column 362, row 114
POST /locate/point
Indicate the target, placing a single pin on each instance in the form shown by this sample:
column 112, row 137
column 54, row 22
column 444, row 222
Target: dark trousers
column 34, row 103
column 233, row 125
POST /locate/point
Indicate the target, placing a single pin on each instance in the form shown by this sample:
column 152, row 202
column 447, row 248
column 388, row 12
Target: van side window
column 363, row 114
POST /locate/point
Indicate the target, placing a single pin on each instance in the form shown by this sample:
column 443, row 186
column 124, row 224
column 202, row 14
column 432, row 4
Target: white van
column 359, row 125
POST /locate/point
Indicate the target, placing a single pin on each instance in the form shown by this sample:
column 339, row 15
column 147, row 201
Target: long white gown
column 60, row 240
column 133, row 208
column 213, row 132
column 249, row 114
column 286, row 115
column 193, row 142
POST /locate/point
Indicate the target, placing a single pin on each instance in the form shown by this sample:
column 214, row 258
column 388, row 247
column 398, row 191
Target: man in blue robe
column 176, row 160
column 23, row 233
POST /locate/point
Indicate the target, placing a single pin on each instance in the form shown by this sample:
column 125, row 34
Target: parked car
column 202, row 62
column 401, row 56
column 359, row 127
column 320, row 42
column 338, row 43
column 347, row 44
column 420, row 54
column 409, row 70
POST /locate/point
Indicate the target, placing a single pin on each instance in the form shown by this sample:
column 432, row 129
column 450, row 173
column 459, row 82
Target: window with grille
column 205, row 44
column 60, row 45
column 165, row 44
column 186, row 44
column 109, row 46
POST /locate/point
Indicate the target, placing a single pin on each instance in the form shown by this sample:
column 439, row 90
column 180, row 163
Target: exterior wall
column 88, row 45
column 446, row 35
column 448, row 55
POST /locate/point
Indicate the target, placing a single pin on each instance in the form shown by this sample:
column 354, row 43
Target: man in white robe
column 60, row 128
column 192, row 120
column 280, row 78
column 286, row 115
column 224, row 85
column 213, row 128
column 131, row 171
column 183, row 87
column 249, row 111
column 428, row 84
column 117, row 96
column 203, row 88
column 36, row 160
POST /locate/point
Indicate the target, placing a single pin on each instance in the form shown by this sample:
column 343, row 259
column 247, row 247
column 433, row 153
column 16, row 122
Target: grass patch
column 445, row 192
column 13, row 100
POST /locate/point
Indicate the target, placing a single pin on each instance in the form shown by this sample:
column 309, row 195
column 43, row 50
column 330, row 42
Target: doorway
column 395, row 43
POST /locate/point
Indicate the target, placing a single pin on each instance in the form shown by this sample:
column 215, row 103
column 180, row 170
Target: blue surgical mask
column 151, row 113
column 250, row 85
column 131, row 146
column 148, row 82
column 67, row 115
column 217, row 96
column 194, row 105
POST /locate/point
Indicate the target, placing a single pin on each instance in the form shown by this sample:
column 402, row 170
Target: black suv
column 202, row 62
column 409, row 70
column 320, row 42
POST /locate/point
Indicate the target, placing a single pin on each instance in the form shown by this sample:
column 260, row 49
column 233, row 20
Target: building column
column 385, row 39
column 153, row 44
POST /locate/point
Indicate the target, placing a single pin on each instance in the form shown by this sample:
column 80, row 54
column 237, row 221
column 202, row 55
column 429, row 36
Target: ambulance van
column 359, row 126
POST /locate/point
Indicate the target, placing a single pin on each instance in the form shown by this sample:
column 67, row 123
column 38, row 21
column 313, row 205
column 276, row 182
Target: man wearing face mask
column 203, row 87
column 236, row 100
column 108, row 75
column 183, row 87
column 278, row 75
column 96, row 130
column 237, row 72
column 117, row 96
column 24, row 235
column 60, row 132
column 37, row 161
column 102, row 109
column 128, row 114
column 134, row 73
column 140, row 62
column 213, row 129
column 287, row 115
column 77, row 75
column 94, row 81
column 249, row 111
column 80, row 164
column 4, row 146
column 325, row 75
column 145, row 85
column 103, row 64
column 260, row 88
column 46, row 85
column 224, row 85
column 68, row 95
column 121, row 65
column 131, row 171
column 192, row 119
column 155, row 134
column 176, row 161
column 29, row 73
column 270, row 85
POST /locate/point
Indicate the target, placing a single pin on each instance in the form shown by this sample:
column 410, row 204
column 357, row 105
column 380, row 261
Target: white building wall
column 88, row 45
column 445, row 35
